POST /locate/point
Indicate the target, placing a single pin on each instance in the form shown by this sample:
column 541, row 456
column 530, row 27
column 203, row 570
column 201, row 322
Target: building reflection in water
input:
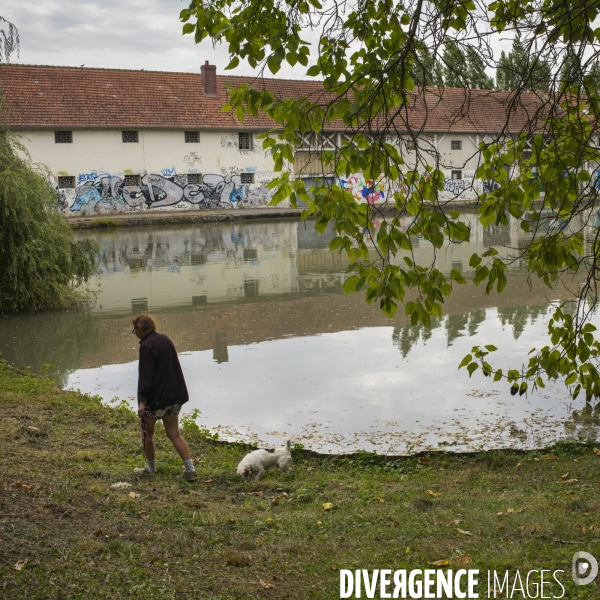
column 218, row 286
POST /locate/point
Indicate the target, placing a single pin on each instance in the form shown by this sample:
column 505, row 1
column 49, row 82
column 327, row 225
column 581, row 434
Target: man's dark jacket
column 161, row 381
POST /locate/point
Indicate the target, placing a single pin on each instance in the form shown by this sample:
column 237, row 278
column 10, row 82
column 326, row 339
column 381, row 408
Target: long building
column 119, row 140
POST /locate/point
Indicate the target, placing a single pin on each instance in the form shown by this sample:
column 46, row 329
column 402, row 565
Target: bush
column 41, row 265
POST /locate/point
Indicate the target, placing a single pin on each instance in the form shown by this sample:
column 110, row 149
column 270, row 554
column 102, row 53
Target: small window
column 199, row 300
column 456, row 145
column 63, row 137
column 244, row 140
column 132, row 181
column 457, row 175
column 250, row 254
column 139, row 305
column 194, row 178
column 410, row 145
column 66, row 181
column 247, row 177
column 251, row 288
column 130, row 137
column 192, row 137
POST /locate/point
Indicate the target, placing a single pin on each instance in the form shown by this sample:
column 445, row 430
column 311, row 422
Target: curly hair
column 144, row 322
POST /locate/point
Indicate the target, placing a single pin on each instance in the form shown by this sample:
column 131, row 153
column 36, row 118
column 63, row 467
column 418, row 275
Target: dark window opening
column 192, row 137
column 244, row 140
column 194, row 178
column 132, row 180
column 130, row 137
column 247, row 177
column 456, row 145
column 63, row 137
column 250, row 254
column 457, row 175
column 66, row 181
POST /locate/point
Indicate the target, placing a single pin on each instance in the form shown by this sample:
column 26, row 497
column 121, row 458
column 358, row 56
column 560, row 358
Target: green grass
column 223, row 538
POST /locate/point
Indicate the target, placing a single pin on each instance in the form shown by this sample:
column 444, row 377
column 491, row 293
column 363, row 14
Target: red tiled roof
column 51, row 97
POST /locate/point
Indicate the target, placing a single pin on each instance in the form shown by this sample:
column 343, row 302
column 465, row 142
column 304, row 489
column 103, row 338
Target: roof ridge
column 197, row 74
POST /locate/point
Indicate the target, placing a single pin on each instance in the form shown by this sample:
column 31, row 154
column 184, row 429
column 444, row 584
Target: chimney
column 209, row 80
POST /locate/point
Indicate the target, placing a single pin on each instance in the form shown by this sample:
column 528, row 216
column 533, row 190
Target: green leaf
column 350, row 284
column 472, row 368
column 465, row 361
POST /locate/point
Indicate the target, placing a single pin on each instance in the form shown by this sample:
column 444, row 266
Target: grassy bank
column 74, row 537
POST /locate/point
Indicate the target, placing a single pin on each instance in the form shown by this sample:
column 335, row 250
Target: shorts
column 169, row 411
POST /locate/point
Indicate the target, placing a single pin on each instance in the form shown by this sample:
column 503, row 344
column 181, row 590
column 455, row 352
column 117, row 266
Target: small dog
column 253, row 465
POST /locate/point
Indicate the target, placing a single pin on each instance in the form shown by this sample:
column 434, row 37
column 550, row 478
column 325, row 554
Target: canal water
column 272, row 349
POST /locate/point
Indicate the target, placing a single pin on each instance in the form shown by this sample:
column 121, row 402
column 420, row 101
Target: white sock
column 189, row 465
column 152, row 466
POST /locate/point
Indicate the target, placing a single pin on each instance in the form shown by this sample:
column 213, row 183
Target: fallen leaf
column 120, row 485
column 327, row 506
column 592, row 527
column 575, row 460
column 510, row 510
column 85, row 433
column 596, row 452
column 35, row 430
column 501, row 527
column 550, row 457
column 500, row 513
column 259, row 494
column 464, row 532
column 21, row 564
column 333, row 567
column 582, row 527
column 276, row 500
column 144, row 515
column 266, row 584
column 377, row 498
column 133, row 495
column 439, row 563
column 310, row 469
column 16, row 484
column 518, row 464
column 565, row 476
column 520, row 510
column 209, row 481
column 98, row 532
column 422, row 460
column 453, row 522
column 231, row 521
column 432, row 494
column 571, row 481
column 27, row 487
column 395, row 523
column 464, row 559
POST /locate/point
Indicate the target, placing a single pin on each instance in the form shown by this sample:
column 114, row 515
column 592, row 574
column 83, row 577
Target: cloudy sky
column 122, row 34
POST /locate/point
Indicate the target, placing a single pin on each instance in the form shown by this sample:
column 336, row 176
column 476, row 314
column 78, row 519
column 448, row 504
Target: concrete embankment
column 136, row 219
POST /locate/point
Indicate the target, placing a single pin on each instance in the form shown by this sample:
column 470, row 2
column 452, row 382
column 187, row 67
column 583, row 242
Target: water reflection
column 256, row 310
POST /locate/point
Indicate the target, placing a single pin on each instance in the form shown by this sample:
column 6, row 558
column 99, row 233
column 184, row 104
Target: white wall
column 99, row 160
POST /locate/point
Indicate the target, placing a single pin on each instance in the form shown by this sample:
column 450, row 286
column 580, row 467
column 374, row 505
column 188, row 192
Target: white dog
column 253, row 465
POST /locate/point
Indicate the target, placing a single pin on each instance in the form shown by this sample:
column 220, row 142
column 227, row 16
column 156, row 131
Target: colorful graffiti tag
column 364, row 190
column 109, row 193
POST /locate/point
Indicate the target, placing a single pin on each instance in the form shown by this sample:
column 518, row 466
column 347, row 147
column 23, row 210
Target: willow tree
column 363, row 52
column 42, row 266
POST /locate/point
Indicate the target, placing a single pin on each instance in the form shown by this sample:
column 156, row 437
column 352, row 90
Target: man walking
column 161, row 391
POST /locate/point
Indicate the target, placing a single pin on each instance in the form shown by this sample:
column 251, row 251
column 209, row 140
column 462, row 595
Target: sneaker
column 190, row 475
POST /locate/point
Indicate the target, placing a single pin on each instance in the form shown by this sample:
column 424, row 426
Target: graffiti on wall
column 364, row 190
column 109, row 193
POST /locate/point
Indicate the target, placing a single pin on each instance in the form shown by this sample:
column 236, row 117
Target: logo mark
column 582, row 563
